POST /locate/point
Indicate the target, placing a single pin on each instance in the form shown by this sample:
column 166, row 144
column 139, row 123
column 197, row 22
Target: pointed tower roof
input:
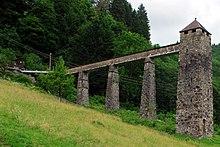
column 194, row 25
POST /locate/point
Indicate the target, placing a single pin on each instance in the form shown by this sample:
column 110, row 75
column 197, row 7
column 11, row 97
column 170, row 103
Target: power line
column 130, row 80
column 24, row 46
column 45, row 55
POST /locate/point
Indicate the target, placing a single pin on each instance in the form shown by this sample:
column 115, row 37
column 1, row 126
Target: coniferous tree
column 101, row 5
column 136, row 21
column 142, row 27
column 71, row 15
column 118, row 10
column 128, row 15
column 93, row 41
column 10, row 12
column 38, row 26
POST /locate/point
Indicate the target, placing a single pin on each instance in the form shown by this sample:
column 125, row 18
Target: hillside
column 30, row 118
column 82, row 32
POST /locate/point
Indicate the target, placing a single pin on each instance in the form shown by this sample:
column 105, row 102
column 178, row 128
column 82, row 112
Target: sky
column 169, row 17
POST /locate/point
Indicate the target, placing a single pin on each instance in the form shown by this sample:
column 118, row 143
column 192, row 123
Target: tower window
column 186, row 32
column 194, row 30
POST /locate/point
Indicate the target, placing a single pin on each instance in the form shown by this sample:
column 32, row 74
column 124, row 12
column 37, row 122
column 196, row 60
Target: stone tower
column 194, row 114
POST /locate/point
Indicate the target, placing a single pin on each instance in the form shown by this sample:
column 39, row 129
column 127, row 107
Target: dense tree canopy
column 37, row 27
column 10, row 12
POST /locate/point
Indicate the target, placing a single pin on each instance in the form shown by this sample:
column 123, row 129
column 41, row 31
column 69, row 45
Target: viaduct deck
column 165, row 50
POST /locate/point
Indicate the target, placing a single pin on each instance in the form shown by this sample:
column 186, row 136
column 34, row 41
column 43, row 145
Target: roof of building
column 194, row 25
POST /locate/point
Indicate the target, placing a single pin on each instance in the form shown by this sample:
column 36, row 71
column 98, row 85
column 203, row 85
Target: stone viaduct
column 194, row 110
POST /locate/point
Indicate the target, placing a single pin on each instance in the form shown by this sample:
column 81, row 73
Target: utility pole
column 50, row 61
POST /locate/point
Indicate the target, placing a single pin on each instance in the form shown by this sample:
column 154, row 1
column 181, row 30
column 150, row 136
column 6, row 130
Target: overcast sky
column 168, row 17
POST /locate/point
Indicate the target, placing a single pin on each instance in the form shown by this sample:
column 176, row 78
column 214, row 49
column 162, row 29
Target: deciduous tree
column 58, row 82
column 33, row 62
column 6, row 58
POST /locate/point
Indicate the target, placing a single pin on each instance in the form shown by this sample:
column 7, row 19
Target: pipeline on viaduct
column 194, row 110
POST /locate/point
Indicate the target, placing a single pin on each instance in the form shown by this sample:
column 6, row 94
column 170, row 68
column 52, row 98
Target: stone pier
column 148, row 94
column 112, row 90
column 194, row 113
column 83, row 89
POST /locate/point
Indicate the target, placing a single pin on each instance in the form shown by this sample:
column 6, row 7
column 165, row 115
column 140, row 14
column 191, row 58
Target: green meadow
column 32, row 118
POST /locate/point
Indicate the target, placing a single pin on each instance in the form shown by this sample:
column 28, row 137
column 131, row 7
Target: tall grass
column 165, row 123
column 30, row 118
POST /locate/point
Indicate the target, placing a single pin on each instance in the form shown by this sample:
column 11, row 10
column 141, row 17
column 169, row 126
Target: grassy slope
column 30, row 118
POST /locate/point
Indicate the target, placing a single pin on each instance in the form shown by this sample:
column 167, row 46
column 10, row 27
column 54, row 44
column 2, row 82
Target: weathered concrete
column 174, row 48
column 148, row 94
column 194, row 114
column 112, row 90
column 83, row 89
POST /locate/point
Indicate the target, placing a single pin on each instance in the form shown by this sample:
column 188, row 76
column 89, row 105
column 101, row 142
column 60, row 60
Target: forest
column 87, row 31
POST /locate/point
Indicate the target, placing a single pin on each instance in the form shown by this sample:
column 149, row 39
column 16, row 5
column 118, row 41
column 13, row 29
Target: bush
column 217, row 129
column 97, row 100
column 10, row 75
column 33, row 62
column 21, row 78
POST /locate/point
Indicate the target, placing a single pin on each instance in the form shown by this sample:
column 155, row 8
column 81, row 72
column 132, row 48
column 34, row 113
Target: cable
column 45, row 55
column 130, row 80
column 24, row 46
column 138, row 82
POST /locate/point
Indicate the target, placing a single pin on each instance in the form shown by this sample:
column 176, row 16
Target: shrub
column 97, row 100
column 217, row 129
column 21, row 78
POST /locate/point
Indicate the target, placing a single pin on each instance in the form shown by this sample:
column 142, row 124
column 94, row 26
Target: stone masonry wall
column 148, row 94
column 194, row 114
column 83, row 89
column 112, row 90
